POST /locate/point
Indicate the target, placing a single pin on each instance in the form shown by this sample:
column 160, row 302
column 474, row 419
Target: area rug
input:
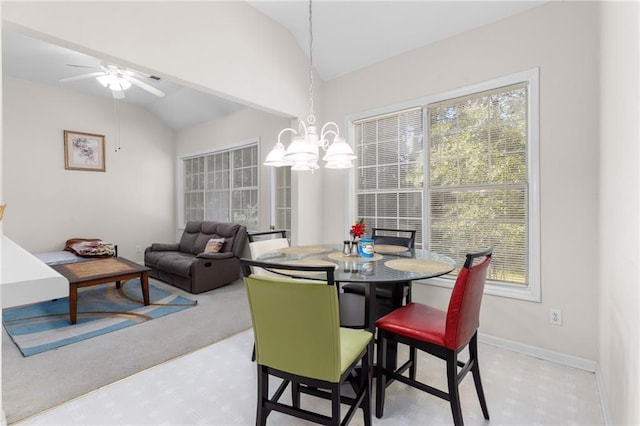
column 43, row 326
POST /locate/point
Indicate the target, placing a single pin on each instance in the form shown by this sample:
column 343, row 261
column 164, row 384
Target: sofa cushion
column 225, row 230
column 197, row 234
column 201, row 242
column 177, row 263
column 189, row 236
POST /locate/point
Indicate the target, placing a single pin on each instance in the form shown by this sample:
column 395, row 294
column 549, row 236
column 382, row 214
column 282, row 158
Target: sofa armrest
column 165, row 247
column 215, row 256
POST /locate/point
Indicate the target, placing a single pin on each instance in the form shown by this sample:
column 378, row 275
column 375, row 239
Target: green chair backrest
column 296, row 325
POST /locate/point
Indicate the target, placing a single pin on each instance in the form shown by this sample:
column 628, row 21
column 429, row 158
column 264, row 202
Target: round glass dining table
column 389, row 265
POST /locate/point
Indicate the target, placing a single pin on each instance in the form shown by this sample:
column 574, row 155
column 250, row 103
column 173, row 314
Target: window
column 478, row 178
column 462, row 169
column 282, row 202
column 222, row 186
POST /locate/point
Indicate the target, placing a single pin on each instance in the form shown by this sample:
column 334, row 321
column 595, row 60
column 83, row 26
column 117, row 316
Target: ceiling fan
column 118, row 79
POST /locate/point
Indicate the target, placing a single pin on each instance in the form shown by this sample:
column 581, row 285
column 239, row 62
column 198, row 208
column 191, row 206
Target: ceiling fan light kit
column 113, row 82
column 118, row 80
column 303, row 152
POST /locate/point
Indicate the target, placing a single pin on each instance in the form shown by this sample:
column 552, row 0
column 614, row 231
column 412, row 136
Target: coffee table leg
column 144, row 282
column 73, row 302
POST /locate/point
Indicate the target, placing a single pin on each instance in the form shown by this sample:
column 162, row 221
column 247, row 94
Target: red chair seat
column 416, row 321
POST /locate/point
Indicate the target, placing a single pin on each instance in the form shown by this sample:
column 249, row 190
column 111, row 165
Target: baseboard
column 557, row 357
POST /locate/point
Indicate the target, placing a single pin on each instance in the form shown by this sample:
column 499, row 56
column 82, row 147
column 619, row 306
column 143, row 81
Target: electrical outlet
column 555, row 316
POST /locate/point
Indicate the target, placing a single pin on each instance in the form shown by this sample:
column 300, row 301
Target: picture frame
column 84, row 151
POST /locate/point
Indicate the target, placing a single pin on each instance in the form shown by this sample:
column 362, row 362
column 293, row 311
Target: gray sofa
column 186, row 266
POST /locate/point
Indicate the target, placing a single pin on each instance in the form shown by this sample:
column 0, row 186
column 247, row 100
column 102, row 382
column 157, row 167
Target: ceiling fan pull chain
column 116, row 109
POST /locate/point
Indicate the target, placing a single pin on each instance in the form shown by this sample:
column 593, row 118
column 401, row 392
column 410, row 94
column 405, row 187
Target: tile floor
column 216, row 386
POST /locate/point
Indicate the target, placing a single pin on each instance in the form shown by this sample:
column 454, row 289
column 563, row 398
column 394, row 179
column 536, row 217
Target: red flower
column 357, row 230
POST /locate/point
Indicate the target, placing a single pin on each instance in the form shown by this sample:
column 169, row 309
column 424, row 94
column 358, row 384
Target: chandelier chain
column 311, row 119
column 303, row 152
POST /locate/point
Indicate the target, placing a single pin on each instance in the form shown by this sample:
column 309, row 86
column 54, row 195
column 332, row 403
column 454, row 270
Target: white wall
column 131, row 204
column 619, row 248
column 3, row 420
column 562, row 39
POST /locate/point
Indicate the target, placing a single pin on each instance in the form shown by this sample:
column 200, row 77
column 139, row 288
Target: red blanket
column 90, row 247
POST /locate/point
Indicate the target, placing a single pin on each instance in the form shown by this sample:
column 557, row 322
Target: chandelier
column 303, row 152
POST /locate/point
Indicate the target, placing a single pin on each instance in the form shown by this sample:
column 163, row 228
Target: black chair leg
column 335, row 404
column 475, row 370
column 295, row 394
column 413, row 357
column 365, row 380
column 452, row 380
column 263, row 395
column 381, row 378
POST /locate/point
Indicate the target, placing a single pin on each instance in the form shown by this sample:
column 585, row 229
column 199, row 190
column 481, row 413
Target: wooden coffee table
column 100, row 271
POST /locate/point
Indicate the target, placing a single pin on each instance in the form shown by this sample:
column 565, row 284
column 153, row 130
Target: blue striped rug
column 102, row 309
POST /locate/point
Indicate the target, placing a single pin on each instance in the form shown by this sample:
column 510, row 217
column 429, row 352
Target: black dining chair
column 393, row 237
column 443, row 334
column 298, row 339
column 266, row 235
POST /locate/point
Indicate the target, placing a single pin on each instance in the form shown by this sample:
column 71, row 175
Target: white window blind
column 222, row 186
column 478, row 189
column 389, row 187
column 283, row 198
column 244, row 186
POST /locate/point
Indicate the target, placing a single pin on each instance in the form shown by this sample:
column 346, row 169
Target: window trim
column 532, row 292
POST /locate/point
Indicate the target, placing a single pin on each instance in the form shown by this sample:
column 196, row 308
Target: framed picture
column 83, row 151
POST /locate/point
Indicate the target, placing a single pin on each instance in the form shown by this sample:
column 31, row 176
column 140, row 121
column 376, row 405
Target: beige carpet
column 39, row 382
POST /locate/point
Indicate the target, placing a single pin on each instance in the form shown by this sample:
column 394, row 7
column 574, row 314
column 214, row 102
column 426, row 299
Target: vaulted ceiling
column 347, row 35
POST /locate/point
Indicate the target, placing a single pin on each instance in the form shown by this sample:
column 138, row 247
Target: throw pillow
column 214, row 245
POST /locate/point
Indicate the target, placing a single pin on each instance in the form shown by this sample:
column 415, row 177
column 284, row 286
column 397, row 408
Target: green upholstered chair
column 298, row 338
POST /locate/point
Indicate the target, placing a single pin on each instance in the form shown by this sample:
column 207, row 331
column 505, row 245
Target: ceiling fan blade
column 143, row 85
column 82, row 76
column 82, row 66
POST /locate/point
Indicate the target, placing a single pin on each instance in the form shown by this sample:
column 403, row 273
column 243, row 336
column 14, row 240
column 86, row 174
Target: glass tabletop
column 388, row 264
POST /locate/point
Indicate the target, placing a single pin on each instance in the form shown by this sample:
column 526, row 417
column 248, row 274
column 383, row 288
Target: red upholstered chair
column 440, row 333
